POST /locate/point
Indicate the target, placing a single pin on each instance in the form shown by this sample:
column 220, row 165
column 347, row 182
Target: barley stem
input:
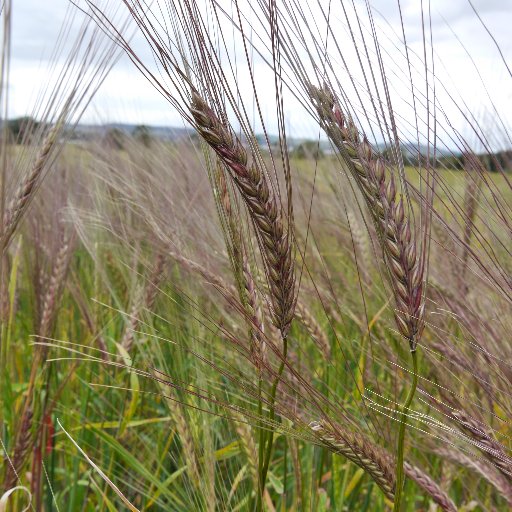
column 272, row 414
column 268, row 442
column 261, row 449
column 400, row 477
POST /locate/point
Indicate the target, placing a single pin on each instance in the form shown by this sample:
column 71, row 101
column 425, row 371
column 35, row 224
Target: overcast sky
column 126, row 97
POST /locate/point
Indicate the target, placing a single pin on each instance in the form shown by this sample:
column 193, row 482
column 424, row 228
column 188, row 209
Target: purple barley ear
column 484, row 441
column 427, row 483
column 357, row 448
column 22, row 447
column 263, row 207
column 144, row 299
column 315, row 330
column 482, row 468
column 28, row 187
column 376, row 461
column 375, row 180
column 56, row 284
column 247, row 288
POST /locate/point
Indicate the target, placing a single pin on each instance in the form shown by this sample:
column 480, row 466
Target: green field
column 124, row 323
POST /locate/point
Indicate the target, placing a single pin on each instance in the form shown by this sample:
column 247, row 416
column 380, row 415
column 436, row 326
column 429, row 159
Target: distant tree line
column 493, row 162
column 308, row 149
column 21, row 130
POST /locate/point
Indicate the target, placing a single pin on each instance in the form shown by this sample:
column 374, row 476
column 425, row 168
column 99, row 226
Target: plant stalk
column 269, row 441
column 400, row 477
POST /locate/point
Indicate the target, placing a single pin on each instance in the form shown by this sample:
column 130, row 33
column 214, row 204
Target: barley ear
column 376, row 182
column 262, row 205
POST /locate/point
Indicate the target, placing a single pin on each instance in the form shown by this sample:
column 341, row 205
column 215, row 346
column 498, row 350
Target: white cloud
column 126, row 95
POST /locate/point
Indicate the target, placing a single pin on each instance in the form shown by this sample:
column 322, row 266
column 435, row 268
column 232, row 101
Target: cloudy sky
column 466, row 60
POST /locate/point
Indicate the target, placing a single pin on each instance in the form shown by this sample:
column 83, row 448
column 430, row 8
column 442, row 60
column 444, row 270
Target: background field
column 223, row 317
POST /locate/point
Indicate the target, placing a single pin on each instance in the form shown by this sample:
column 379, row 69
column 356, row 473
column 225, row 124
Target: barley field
column 239, row 319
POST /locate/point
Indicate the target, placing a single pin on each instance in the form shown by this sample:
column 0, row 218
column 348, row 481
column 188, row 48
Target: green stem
column 261, row 448
column 269, row 438
column 285, row 477
column 400, row 477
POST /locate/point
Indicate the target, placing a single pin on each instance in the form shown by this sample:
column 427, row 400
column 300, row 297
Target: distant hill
column 409, row 150
column 444, row 156
column 169, row 133
column 173, row 133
